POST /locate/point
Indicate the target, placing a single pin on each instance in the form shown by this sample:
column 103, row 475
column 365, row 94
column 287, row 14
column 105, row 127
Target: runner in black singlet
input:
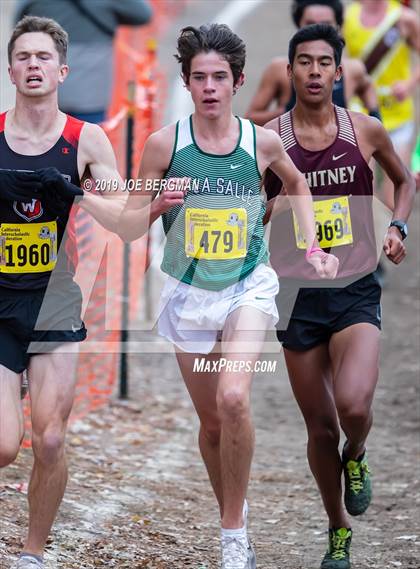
column 40, row 304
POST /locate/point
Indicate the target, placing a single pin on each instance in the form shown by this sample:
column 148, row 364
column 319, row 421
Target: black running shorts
column 318, row 313
column 58, row 321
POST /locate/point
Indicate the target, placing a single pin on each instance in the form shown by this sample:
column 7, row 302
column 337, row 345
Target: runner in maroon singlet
column 331, row 341
column 37, row 249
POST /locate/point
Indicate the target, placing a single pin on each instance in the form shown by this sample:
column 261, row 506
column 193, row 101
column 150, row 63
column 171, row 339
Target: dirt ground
column 138, row 495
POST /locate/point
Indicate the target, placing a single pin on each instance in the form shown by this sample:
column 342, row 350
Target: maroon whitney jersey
column 30, row 234
column 341, row 184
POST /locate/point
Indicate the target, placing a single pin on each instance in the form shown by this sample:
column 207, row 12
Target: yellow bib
column 28, row 247
column 216, row 233
column 333, row 223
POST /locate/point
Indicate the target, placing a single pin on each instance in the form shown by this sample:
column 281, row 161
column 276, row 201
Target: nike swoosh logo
column 235, row 166
column 339, row 156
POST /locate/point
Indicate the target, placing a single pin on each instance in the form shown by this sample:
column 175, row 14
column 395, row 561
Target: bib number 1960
column 28, row 248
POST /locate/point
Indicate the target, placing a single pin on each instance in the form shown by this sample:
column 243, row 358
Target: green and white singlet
column 216, row 237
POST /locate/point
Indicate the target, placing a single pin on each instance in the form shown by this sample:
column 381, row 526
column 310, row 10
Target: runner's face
column 313, row 71
column 35, row 68
column 211, row 84
column 318, row 14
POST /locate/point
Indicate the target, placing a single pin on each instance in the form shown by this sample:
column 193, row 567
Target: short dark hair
column 45, row 25
column 211, row 37
column 315, row 32
column 299, row 6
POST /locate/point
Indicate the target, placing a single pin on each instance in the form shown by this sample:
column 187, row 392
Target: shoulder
column 366, row 128
column 268, row 140
column 159, row 148
column 162, row 140
column 92, row 133
column 93, row 139
column 273, row 125
column 276, row 70
column 278, row 66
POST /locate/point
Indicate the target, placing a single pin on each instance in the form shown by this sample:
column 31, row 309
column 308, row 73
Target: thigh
column 354, row 354
column 201, row 382
column 52, row 381
column 311, row 380
column 10, row 409
column 244, row 332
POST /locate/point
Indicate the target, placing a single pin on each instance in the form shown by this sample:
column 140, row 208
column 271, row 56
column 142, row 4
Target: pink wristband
column 311, row 251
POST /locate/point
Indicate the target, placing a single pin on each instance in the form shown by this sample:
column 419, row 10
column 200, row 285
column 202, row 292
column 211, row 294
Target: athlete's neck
column 319, row 116
column 219, row 135
column 213, row 128
column 35, row 118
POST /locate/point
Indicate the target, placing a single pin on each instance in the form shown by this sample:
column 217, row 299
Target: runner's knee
column 48, row 446
column 8, row 452
column 323, row 432
column 233, row 403
column 354, row 411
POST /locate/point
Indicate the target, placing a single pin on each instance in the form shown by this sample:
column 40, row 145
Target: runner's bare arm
column 96, row 159
column 404, row 186
column 143, row 207
column 364, row 87
column 272, row 84
column 410, row 29
column 273, row 156
column 281, row 202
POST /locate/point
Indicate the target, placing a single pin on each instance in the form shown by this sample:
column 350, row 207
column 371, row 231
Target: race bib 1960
column 216, row 233
column 28, row 247
column 333, row 223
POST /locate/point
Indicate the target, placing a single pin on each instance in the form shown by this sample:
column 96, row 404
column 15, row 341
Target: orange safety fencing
column 135, row 63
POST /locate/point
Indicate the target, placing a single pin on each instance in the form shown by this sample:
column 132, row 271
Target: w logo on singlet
column 29, row 210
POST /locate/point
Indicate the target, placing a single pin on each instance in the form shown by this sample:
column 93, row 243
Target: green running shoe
column 358, row 486
column 338, row 554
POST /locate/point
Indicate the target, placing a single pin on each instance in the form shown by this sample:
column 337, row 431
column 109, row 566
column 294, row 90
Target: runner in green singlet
column 219, row 286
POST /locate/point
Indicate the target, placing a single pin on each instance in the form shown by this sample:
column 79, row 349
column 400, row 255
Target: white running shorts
column 192, row 317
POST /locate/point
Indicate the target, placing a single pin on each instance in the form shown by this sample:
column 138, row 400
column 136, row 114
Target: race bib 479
column 216, row 233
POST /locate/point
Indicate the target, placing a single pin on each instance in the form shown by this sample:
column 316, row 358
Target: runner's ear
column 239, row 82
column 339, row 73
column 186, row 81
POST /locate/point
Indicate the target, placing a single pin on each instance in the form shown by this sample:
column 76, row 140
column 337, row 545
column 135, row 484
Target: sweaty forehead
column 34, row 41
column 316, row 49
column 209, row 63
